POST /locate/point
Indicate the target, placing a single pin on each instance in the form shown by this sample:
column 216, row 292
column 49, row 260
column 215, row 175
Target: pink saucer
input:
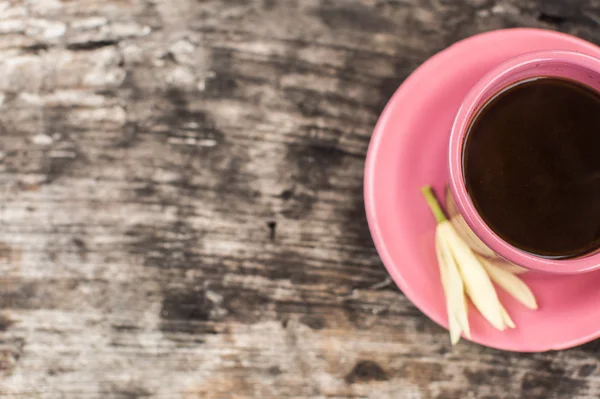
column 409, row 150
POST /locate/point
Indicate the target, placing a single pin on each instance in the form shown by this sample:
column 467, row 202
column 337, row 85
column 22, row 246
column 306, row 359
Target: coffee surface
column 532, row 166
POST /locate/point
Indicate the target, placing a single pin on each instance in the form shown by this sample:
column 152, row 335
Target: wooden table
column 182, row 211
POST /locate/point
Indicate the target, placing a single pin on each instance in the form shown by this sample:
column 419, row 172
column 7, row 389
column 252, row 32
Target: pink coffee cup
column 565, row 64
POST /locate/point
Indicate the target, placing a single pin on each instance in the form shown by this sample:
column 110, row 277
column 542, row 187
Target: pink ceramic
column 409, row 149
column 566, row 64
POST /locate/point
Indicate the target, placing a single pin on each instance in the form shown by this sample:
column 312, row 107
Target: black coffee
column 532, row 166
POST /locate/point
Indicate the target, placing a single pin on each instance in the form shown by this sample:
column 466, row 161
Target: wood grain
column 182, row 211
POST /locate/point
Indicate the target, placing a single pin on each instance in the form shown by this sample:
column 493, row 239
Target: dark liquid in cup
column 531, row 162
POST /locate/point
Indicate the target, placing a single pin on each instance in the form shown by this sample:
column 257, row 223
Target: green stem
column 434, row 204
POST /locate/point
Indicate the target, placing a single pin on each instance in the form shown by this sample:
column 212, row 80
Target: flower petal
column 506, row 317
column 477, row 282
column 511, row 284
column 453, row 288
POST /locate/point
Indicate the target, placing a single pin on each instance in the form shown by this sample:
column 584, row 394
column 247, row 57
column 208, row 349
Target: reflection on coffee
column 531, row 162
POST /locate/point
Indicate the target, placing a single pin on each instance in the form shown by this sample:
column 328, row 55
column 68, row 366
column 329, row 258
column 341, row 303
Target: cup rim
column 466, row 207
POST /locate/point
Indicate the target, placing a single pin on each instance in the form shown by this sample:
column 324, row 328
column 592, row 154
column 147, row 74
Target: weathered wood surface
column 182, row 211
